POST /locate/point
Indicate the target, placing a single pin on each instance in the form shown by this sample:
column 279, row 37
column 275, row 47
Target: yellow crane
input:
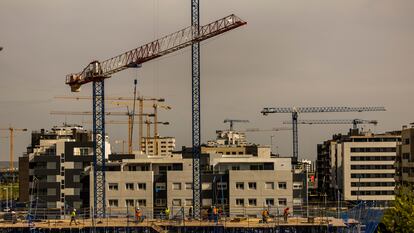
column 155, row 105
column 147, row 122
column 126, row 101
column 128, row 114
column 11, row 140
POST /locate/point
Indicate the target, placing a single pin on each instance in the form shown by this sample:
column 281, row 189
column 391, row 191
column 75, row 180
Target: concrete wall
column 261, row 193
column 123, row 194
column 347, row 163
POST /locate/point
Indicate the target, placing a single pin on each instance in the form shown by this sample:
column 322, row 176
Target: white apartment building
column 367, row 171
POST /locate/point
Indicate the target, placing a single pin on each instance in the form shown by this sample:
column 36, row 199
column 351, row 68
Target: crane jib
column 178, row 40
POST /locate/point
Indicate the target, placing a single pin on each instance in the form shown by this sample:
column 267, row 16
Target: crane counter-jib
column 100, row 70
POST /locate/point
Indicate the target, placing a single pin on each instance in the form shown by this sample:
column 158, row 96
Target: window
column 76, row 178
column 51, row 179
column 252, row 202
column 297, row 185
column 51, row 191
column 297, row 201
column 373, row 149
column 207, row 202
column 113, row 203
column 189, row 186
column 141, row 202
column 51, row 165
column 79, row 151
column 76, row 191
column 282, row 185
column 371, row 167
column 176, row 202
column 222, row 186
column 160, row 202
column 240, row 185
column 406, row 155
column 113, row 186
column 270, row 201
column 142, row 186
column 188, row 202
column 269, row 185
column 222, row 201
column 282, row 201
column 160, row 186
column 239, row 202
column 129, row 186
column 176, row 186
column 51, row 204
column 235, row 168
column 206, row 186
column 252, row 185
column 129, row 202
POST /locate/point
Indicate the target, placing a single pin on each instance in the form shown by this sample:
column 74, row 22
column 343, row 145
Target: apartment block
column 404, row 164
column 162, row 146
column 266, row 181
column 358, row 166
column 52, row 176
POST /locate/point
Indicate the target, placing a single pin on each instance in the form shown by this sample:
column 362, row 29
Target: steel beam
column 196, row 134
column 99, row 148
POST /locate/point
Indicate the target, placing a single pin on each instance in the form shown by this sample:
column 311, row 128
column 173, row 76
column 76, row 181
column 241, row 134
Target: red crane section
column 134, row 58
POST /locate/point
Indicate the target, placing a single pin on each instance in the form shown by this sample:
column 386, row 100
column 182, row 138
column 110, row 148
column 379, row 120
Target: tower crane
column 12, row 130
column 267, row 130
column 11, row 142
column 128, row 114
column 156, row 106
column 354, row 122
column 96, row 72
column 296, row 110
column 124, row 101
column 146, row 122
column 232, row 121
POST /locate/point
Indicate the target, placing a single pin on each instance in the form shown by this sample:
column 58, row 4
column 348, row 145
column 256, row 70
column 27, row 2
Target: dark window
column 373, row 149
column 371, row 167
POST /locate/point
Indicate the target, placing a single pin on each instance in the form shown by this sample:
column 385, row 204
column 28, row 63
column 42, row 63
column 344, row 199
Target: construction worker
column 265, row 215
column 138, row 215
column 167, row 213
column 73, row 217
column 215, row 214
column 190, row 212
column 286, row 214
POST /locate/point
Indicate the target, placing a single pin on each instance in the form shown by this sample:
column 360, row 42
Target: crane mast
column 96, row 72
column 196, row 102
column 296, row 110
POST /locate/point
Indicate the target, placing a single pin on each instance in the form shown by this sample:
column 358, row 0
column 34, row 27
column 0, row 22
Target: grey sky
column 291, row 53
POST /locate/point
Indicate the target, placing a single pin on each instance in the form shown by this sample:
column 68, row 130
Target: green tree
column 400, row 217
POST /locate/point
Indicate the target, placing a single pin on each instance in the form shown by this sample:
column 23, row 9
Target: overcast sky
column 291, row 53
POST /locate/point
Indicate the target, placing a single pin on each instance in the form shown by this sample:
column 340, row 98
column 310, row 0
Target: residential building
column 52, row 171
column 162, row 146
column 358, row 166
column 239, row 183
column 404, row 164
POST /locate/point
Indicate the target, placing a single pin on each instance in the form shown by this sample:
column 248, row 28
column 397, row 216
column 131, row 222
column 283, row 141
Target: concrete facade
column 53, row 169
column 361, row 166
column 404, row 164
column 165, row 146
